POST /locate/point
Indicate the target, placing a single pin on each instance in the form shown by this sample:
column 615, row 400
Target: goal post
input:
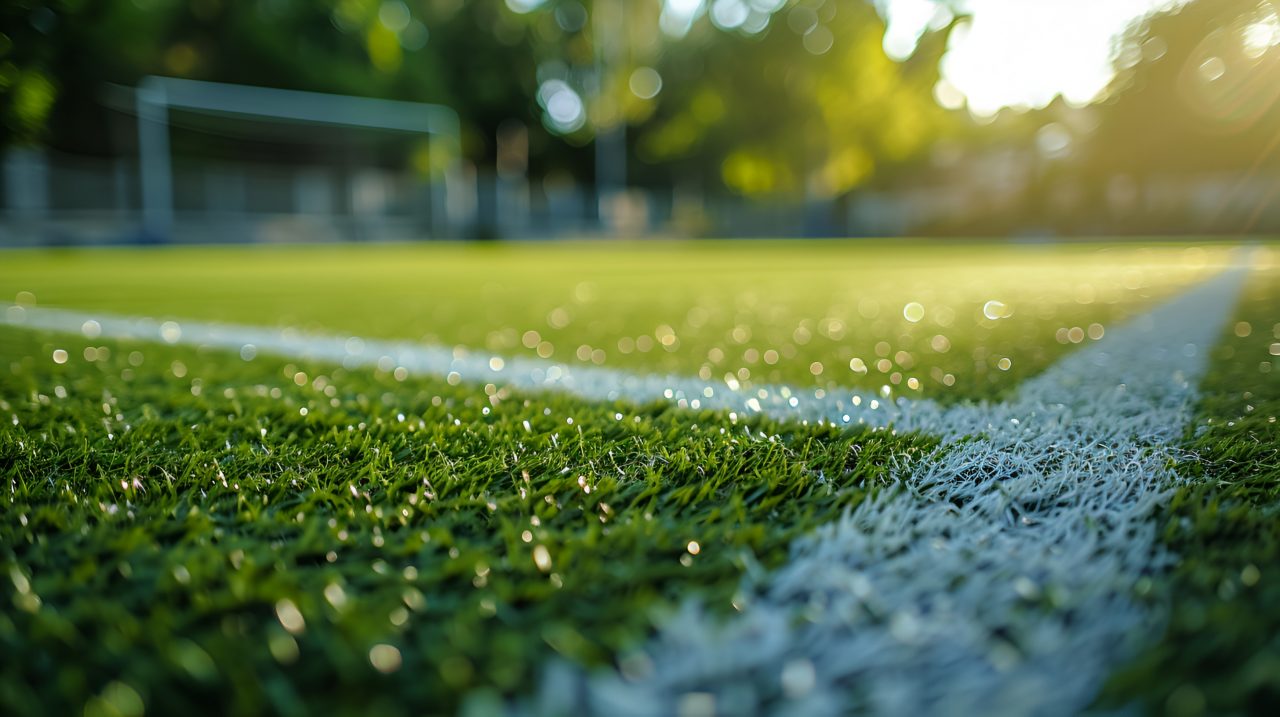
column 156, row 95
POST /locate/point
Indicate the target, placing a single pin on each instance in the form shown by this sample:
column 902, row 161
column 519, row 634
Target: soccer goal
column 156, row 96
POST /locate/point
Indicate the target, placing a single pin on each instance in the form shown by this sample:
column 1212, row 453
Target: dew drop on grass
column 385, row 658
column 283, row 647
column 913, row 311
column 798, row 678
column 335, row 595
column 995, row 310
column 542, row 558
column 290, row 616
column 171, row 332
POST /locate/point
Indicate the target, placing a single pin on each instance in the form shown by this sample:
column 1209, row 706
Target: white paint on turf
column 996, row 577
column 462, row 365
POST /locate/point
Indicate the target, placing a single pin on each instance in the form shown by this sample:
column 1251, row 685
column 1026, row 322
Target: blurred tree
column 766, row 96
column 1196, row 92
column 40, row 60
column 1197, row 88
column 57, row 55
column 804, row 101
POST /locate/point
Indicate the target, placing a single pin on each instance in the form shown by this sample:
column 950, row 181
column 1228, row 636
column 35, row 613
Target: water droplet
column 995, row 310
column 385, row 658
column 542, row 558
column 171, row 332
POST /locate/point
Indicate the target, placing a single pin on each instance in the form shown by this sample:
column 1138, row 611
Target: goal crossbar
column 156, row 95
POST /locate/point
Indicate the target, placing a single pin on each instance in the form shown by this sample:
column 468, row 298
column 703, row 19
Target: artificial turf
column 948, row 320
column 190, row 531
column 1220, row 651
column 158, row 527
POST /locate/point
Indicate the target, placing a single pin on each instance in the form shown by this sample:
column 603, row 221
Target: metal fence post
column 153, row 161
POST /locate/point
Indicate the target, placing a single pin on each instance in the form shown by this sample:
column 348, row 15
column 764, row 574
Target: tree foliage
column 805, row 102
column 811, row 106
column 1196, row 89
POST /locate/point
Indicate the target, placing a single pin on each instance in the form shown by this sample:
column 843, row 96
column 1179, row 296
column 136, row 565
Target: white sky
column 1023, row 52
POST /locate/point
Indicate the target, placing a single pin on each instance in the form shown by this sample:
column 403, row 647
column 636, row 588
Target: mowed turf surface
column 1220, row 653
column 184, row 529
column 961, row 319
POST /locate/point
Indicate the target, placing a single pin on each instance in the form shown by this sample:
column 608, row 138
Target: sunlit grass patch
column 943, row 319
column 259, row 532
column 204, row 529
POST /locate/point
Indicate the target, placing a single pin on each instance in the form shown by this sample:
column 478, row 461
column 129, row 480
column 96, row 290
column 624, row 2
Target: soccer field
column 641, row 478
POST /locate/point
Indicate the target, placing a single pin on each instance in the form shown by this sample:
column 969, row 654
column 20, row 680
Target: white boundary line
column 996, row 579
column 460, row 365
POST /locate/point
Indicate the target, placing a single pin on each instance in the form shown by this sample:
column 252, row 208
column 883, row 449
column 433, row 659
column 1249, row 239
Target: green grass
column 168, row 513
column 1220, row 653
column 150, row 535
column 803, row 313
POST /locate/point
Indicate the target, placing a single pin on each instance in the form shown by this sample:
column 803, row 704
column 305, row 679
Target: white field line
column 998, row 578
column 593, row 383
column 461, row 365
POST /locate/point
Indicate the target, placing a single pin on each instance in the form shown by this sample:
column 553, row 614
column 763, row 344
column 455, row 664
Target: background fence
column 49, row 198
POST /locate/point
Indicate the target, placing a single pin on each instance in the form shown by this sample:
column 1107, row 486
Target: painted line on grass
column 997, row 577
column 459, row 365
column 593, row 383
